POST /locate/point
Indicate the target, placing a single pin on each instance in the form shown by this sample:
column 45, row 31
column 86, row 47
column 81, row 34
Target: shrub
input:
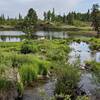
column 68, row 78
column 28, row 47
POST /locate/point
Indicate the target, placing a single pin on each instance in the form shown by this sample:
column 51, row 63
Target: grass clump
column 27, row 73
column 6, row 84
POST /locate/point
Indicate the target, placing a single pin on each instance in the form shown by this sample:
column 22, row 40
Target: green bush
column 68, row 78
column 28, row 47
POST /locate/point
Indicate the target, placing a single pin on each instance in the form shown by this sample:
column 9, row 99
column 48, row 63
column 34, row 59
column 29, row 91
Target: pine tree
column 49, row 15
column 45, row 16
column 96, row 18
column 20, row 17
column 31, row 17
column 53, row 15
column 70, row 19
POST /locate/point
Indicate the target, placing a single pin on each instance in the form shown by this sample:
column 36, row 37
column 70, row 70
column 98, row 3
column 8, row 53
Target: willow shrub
column 68, row 78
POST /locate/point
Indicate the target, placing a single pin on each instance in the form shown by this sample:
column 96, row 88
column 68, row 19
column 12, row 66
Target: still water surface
column 14, row 36
column 11, row 36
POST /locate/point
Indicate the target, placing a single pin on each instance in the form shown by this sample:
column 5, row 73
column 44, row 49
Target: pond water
column 80, row 51
column 10, row 39
column 11, row 36
column 40, row 91
column 14, row 36
column 11, row 33
column 50, row 35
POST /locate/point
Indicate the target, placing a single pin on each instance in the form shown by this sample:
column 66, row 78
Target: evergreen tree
column 49, row 15
column 53, row 15
column 31, row 17
column 70, row 19
column 96, row 18
column 45, row 16
column 64, row 19
column 88, row 15
column 20, row 17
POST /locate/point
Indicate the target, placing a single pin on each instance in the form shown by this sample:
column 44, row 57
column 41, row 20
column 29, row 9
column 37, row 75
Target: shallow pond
column 14, row 36
column 80, row 51
column 11, row 33
column 11, row 36
column 40, row 91
column 50, row 35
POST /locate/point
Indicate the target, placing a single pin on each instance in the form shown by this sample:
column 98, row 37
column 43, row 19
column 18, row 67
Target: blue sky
column 13, row 7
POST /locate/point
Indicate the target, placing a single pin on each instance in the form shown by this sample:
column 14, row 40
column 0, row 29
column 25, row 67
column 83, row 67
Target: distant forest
column 31, row 20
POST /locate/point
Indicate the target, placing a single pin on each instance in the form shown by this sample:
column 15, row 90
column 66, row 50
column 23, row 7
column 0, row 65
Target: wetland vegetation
column 57, row 58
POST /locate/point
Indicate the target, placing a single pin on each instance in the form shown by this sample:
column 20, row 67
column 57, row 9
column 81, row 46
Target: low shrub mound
column 28, row 47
